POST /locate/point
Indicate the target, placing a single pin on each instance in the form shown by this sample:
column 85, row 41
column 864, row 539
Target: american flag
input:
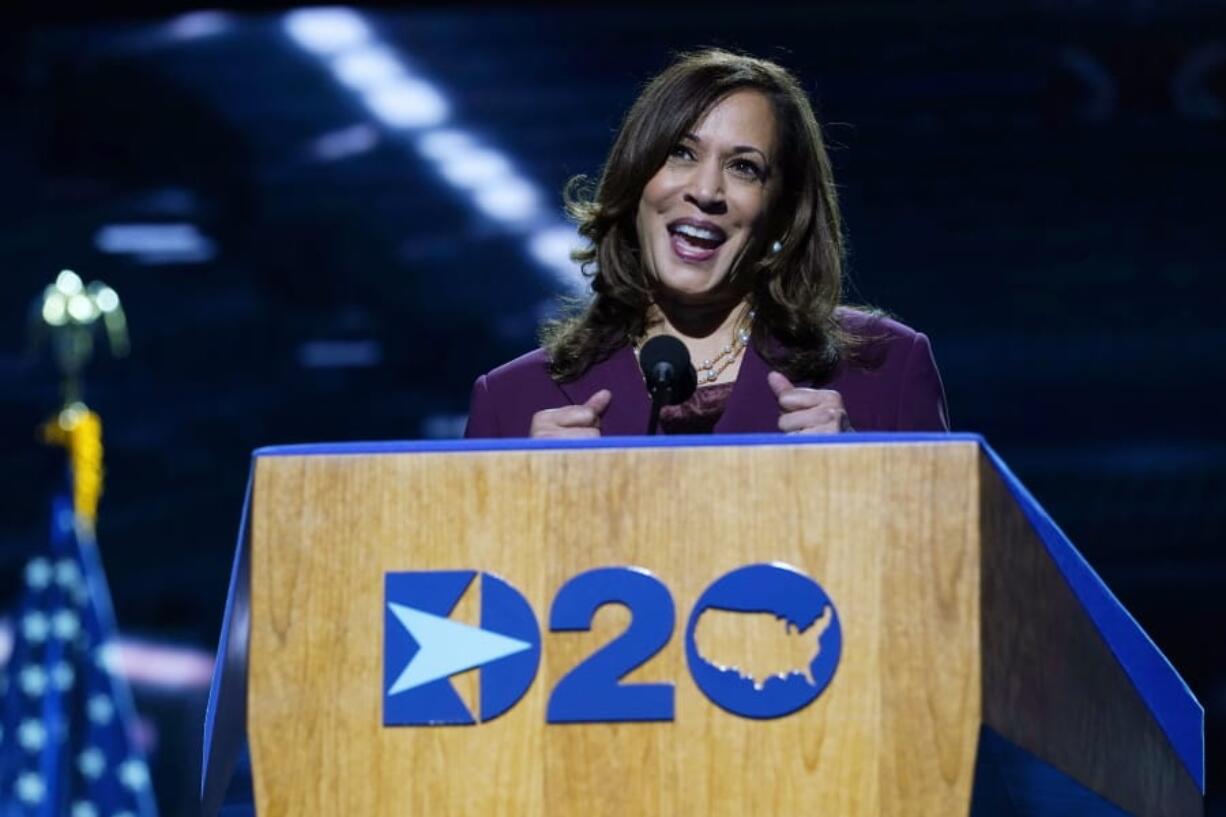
column 66, row 720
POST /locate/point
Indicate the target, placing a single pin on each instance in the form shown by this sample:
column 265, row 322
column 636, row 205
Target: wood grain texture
column 1053, row 686
column 890, row 531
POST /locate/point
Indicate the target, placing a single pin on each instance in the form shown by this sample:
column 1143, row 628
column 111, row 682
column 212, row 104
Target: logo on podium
column 762, row 641
column 424, row 647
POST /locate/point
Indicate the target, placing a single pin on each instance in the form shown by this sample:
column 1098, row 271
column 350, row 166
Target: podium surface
column 760, row 625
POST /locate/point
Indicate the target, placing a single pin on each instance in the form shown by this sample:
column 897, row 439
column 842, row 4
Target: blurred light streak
column 346, row 142
column 552, row 247
column 195, row 25
column 340, row 354
column 1193, row 84
column 368, row 68
column 508, row 200
column 326, row 30
column 1102, row 91
column 170, row 243
column 407, row 103
column 162, row 665
column 165, row 666
column 473, row 167
column 371, row 69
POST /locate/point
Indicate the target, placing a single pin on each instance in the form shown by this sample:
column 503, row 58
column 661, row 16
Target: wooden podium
column 972, row 639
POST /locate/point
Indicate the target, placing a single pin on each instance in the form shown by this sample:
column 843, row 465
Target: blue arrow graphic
column 446, row 647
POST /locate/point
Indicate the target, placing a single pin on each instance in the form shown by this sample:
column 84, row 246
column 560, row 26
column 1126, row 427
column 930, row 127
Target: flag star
column 30, row 788
column 91, row 762
column 34, row 626
column 62, row 676
column 67, row 574
column 104, row 657
column 32, row 735
column 33, row 681
column 38, row 573
column 134, row 774
column 65, row 624
column 100, row 709
column 81, row 808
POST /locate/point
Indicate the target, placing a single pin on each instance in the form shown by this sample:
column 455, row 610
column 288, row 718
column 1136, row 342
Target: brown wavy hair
column 794, row 291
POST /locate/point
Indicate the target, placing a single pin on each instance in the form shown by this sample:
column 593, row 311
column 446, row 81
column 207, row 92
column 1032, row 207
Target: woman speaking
column 715, row 221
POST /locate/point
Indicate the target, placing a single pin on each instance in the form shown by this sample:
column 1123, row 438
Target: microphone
column 671, row 378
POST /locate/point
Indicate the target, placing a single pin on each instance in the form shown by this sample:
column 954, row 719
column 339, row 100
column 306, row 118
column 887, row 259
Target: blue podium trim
column 521, row 444
column 225, row 715
column 1166, row 695
column 1011, row 782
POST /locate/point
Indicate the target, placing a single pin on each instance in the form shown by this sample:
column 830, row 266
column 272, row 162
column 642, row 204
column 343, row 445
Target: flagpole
column 68, row 737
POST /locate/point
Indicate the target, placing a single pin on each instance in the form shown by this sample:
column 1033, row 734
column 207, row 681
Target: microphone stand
column 656, row 405
column 661, row 393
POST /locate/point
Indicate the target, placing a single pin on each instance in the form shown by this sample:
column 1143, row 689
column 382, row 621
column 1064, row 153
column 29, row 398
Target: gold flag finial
column 79, row 430
column 69, row 314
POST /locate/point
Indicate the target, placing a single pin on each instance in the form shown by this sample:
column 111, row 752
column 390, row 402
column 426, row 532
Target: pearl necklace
column 711, row 369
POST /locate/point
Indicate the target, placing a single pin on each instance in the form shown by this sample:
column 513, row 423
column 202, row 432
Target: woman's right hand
column 572, row 421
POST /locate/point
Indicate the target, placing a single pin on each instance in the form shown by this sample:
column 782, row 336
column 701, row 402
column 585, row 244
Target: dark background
column 1037, row 186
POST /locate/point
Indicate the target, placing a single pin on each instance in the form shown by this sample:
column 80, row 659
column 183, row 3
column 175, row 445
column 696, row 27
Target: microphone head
column 665, row 361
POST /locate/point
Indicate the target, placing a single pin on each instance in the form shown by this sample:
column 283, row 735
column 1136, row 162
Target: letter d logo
column 423, row 647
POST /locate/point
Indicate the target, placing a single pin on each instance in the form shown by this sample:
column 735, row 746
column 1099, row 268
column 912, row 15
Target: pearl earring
column 776, row 248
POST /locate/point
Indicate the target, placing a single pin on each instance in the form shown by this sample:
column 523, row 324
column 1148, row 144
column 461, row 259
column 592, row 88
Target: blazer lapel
column 751, row 406
column 630, row 408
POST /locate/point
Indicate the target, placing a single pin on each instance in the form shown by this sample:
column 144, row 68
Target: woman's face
column 708, row 202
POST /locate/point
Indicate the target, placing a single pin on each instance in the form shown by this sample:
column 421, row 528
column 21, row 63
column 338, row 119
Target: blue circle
column 798, row 602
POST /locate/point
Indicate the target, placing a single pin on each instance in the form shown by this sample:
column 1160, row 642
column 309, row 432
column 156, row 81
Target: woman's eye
column 681, row 152
column 747, row 168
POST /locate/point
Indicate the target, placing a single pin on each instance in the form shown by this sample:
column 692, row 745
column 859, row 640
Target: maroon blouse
column 699, row 414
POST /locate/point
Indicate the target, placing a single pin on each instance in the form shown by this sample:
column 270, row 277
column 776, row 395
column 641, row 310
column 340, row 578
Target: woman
column 716, row 221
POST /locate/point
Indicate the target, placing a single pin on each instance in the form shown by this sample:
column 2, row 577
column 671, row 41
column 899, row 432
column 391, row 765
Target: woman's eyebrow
column 738, row 149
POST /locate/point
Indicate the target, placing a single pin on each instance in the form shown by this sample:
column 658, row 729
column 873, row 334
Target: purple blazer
column 891, row 385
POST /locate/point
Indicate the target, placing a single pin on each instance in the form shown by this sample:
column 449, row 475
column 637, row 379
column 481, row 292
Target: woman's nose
column 706, row 188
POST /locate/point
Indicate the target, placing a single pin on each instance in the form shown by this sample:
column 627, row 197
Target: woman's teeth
column 699, row 236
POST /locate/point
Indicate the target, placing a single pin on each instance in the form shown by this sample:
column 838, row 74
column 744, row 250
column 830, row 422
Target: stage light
column 508, row 200
column 197, row 24
column 368, row 68
column 326, row 30
column 439, row 144
column 171, row 243
column 346, row 142
column 340, row 354
column 408, row 103
column 474, row 167
column 361, row 62
column 552, row 246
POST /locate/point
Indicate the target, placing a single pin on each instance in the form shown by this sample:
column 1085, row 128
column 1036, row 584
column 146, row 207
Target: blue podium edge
column 1174, row 707
column 1168, row 697
column 521, row 444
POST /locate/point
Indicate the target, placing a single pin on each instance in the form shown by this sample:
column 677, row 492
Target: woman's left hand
column 808, row 411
